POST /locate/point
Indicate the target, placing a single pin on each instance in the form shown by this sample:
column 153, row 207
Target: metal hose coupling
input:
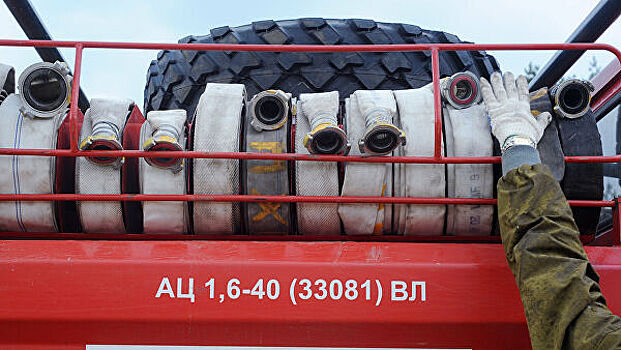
column 108, row 119
column 269, row 110
column 325, row 136
column 45, row 89
column 461, row 90
column 167, row 127
column 571, row 98
column 381, row 135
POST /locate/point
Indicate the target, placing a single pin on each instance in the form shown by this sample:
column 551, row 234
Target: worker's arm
column 564, row 306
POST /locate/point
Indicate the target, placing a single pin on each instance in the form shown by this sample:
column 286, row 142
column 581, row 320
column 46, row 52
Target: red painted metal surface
column 63, row 291
column 607, row 84
column 433, row 48
column 66, row 294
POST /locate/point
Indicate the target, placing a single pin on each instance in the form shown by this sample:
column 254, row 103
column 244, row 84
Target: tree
column 531, row 71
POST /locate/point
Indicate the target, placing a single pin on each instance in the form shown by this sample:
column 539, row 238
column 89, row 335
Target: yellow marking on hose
column 270, row 147
column 378, row 229
column 267, row 209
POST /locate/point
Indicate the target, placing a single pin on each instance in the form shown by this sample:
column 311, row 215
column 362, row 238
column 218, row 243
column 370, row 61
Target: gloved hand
column 508, row 106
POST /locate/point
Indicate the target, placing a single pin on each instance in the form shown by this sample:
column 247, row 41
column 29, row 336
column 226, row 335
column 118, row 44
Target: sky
column 121, row 73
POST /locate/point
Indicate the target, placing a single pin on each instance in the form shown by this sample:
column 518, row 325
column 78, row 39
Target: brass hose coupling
column 381, row 135
column 326, row 137
column 105, row 137
column 166, row 138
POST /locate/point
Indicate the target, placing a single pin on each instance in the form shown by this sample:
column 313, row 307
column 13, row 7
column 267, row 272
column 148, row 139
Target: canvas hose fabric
column 267, row 177
column 419, row 180
column 365, row 179
column 467, row 134
column 93, row 178
column 217, row 127
column 27, row 174
column 164, row 217
column 316, row 178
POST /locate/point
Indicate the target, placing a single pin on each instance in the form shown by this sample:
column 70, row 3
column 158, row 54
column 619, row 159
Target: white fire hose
column 419, row 180
column 103, row 122
column 316, row 178
column 31, row 121
column 365, row 179
column 468, row 135
column 217, row 128
column 164, row 131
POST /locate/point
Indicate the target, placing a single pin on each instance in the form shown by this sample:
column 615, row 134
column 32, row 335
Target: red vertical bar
column 75, row 93
column 616, row 224
column 437, row 102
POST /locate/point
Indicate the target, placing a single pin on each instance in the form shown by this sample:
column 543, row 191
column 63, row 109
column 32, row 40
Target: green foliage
column 531, row 71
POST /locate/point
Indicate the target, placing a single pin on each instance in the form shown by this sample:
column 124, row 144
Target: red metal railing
column 80, row 46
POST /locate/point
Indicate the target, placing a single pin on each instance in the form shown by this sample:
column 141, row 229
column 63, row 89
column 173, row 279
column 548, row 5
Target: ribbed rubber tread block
column 176, row 79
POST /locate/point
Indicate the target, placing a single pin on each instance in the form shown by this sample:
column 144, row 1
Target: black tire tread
column 176, row 79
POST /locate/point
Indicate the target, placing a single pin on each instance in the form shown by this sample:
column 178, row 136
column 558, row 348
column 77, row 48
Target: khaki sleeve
column 564, row 306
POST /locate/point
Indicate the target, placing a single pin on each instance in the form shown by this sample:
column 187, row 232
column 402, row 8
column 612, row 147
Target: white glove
column 508, row 106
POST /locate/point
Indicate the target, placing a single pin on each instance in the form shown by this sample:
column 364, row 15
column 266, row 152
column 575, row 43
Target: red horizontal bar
column 268, row 198
column 262, row 237
column 285, row 156
column 311, row 48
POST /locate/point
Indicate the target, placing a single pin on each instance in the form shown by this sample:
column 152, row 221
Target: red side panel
column 65, row 294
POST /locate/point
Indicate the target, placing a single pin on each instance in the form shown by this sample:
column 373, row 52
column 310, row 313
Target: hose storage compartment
column 317, row 178
column 164, row 131
column 102, row 129
column 217, row 128
column 267, row 130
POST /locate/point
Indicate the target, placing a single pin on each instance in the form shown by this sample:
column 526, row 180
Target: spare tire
column 177, row 78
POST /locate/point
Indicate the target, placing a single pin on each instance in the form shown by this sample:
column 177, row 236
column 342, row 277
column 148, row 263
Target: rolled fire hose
column 317, row 178
column 164, row 131
column 31, row 121
column 217, row 128
column 369, row 179
column 468, row 134
column 579, row 136
column 416, row 110
column 102, row 129
column 267, row 131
